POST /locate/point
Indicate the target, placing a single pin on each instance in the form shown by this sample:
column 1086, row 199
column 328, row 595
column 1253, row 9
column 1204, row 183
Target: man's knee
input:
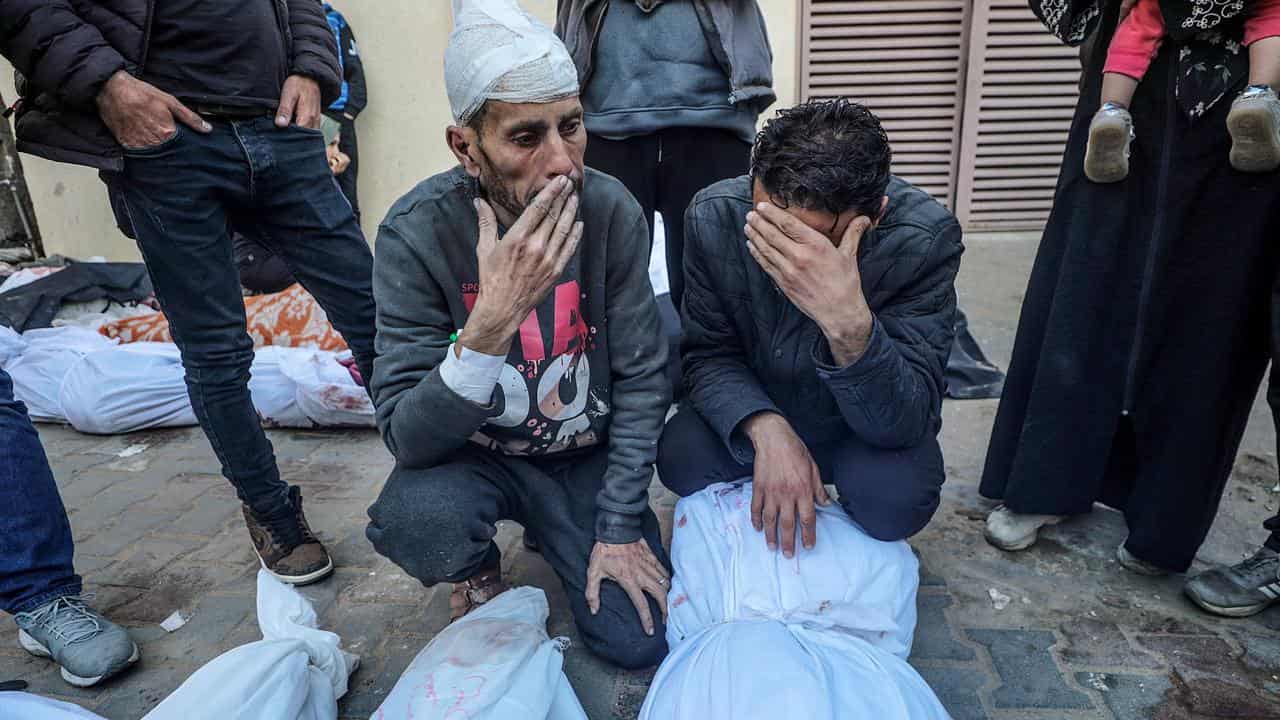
column 615, row 633
column 628, row 647
column 691, row 456
column 434, row 534
column 893, row 494
column 893, row 518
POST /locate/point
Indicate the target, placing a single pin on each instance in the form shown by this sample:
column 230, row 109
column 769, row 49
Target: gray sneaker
column 1246, row 588
column 89, row 647
column 1106, row 156
column 1254, row 124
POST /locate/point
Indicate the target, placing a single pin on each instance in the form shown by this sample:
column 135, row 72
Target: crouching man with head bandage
column 520, row 370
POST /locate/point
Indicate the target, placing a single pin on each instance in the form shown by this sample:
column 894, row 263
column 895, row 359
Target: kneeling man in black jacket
column 818, row 319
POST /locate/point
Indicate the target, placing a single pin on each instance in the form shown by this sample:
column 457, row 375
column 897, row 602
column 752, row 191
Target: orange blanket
column 291, row 317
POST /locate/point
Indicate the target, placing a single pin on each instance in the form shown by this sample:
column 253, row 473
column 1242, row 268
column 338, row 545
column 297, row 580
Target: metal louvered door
column 1020, row 96
column 904, row 59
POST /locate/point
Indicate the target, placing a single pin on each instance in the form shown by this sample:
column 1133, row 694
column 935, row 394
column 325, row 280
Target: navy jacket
column 748, row 349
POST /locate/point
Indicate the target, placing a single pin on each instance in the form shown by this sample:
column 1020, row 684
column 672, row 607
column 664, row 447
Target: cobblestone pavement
column 1059, row 631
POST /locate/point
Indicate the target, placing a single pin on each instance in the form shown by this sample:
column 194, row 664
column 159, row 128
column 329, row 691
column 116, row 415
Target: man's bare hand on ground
column 517, row 273
column 140, row 115
column 299, row 103
column 635, row 569
column 786, row 484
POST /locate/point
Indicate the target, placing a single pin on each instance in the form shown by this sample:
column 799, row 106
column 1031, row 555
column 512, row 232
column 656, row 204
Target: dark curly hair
column 829, row 155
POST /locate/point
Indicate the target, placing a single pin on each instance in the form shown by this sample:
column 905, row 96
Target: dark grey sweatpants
column 438, row 525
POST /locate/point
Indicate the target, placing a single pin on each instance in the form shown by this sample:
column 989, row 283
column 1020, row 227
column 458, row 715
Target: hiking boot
column 1011, row 531
column 1239, row 590
column 285, row 544
column 1254, row 124
column 89, row 647
column 1106, row 157
column 475, row 591
column 1135, row 564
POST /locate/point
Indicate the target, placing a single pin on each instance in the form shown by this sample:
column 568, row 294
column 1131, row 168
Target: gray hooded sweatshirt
column 587, row 367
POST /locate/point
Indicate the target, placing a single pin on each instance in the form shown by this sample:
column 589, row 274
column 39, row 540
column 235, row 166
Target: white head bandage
column 499, row 52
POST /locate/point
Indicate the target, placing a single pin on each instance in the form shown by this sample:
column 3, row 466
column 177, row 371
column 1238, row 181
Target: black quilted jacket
column 748, row 349
column 65, row 50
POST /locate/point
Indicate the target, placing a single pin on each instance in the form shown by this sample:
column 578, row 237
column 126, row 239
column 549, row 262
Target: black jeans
column 892, row 494
column 177, row 200
column 664, row 170
column 438, row 525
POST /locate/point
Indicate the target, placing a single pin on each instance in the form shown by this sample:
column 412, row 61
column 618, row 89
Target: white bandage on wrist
column 473, row 376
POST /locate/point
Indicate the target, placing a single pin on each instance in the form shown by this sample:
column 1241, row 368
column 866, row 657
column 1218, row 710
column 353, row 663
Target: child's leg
column 1135, row 43
column 1118, row 89
column 1262, row 35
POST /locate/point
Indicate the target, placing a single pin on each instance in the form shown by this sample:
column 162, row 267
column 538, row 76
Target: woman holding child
column 1144, row 332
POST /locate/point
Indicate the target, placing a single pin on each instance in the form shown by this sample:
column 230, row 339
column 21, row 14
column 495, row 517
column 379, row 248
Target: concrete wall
column 401, row 132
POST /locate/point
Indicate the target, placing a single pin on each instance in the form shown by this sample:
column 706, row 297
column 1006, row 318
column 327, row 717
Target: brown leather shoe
column 285, row 544
column 475, row 591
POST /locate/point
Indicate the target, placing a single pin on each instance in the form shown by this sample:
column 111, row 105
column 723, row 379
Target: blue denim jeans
column 178, row 200
column 35, row 537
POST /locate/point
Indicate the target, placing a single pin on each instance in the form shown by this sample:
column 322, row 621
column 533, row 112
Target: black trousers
column 664, row 170
column 349, row 145
column 438, row 525
column 1273, row 398
column 892, row 494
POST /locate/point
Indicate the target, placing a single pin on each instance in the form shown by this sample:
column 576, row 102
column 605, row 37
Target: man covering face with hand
column 818, row 319
column 522, row 363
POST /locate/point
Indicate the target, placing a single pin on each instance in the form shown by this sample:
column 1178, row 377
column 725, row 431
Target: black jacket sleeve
column 353, row 73
column 57, row 50
column 314, row 51
column 718, row 379
column 891, row 397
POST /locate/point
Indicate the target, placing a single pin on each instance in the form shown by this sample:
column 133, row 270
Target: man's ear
column 463, row 143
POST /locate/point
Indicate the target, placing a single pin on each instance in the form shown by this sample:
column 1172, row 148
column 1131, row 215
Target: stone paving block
column 1029, row 677
column 207, row 516
column 957, row 688
column 364, row 627
column 179, row 492
column 1094, row 643
column 1262, row 651
column 1127, row 696
column 87, row 564
column 231, row 546
column 149, row 683
column 934, row 639
column 1194, row 656
column 354, row 549
column 78, row 488
column 213, row 618
column 323, row 595
column 385, row 582
column 149, row 558
column 118, row 536
column 376, row 676
column 290, row 446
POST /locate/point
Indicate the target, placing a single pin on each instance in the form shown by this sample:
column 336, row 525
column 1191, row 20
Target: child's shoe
column 1254, row 124
column 1106, row 158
